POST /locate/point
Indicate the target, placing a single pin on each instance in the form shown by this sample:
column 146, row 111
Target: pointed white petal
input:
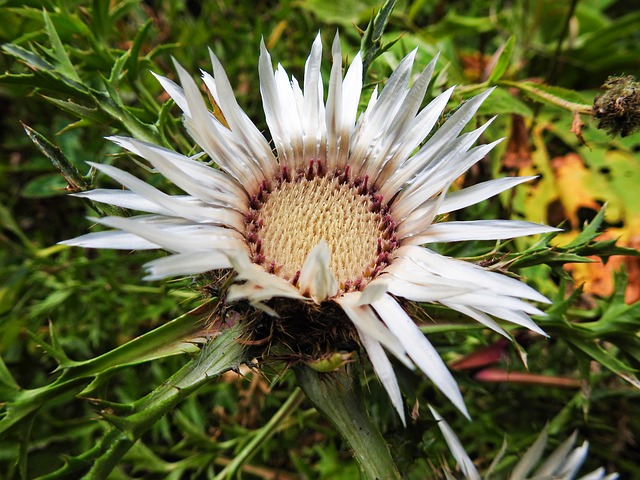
column 249, row 135
column 125, row 199
column 400, row 137
column 342, row 106
column 463, row 287
column 168, row 163
column 439, row 164
column 530, row 458
column 413, row 100
column 598, row 474
column 201, row 181
column 454, row 124
column 351, row 92
column 316, row 278
column 334, row 106
column 186, row 264
column 457, row 450
column 574, row 461
column 111, row 239
column 404, row 168
column 553, row 463
column 366, row 321
column 260, row 285
column 373, row 123
column 419, row 349
column 352, row 89
column 175, row 92
column 460, row 271
column 418, row 221
column 170, row 204
column 428, row 290
column 384, row 371
column 313, row 106
column 210, row 177
column 479, row 316
column 513, row 315
column 196, row 238
column 256, row 294
column 374, row 290
column 478, row 230
column 213, row 137
column 477, row 193
column 611, row 476
column 464, row 295
column 396, row 86
column 436, row 171
column 280, row 110
column 489, row 301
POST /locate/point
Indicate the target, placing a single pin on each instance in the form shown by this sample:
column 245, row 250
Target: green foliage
column 96, row 379
column 371, row 45
column 577, row 251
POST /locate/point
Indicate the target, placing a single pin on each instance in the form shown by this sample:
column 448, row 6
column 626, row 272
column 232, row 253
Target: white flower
column 339, row 212
column 564, row 463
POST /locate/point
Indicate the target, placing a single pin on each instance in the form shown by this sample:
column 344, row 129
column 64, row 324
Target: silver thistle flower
column 338, row 215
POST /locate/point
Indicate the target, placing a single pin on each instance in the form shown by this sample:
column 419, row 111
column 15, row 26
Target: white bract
column 339, row 212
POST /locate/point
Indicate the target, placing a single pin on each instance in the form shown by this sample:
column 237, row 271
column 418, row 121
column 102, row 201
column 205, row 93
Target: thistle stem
column 565, row 104
column 337, row 396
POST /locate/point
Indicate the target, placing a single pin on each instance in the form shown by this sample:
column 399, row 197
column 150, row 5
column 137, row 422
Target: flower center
column 286, row 221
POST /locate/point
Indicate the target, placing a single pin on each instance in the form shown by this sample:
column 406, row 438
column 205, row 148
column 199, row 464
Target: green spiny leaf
column 118, row 71
column 31, row 59
column 64, row 64
column 504, row 56
column 77, row 182
column 606, row 359
column 8, row 385
column 557, row 313
column 577, row 251
column 27, row 402
column 54, row 351
column 217, row 357
column 133, row 63
column 371, row 43
column 48, row 81
column 168, row 339
column 590, row 231
column 81, row 111
column 111, row 104
column 100, row 19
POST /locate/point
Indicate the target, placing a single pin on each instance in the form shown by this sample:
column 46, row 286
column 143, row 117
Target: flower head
column 336, row 218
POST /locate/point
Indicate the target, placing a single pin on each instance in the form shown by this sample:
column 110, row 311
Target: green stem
column 571, row 106
column 337, row 396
